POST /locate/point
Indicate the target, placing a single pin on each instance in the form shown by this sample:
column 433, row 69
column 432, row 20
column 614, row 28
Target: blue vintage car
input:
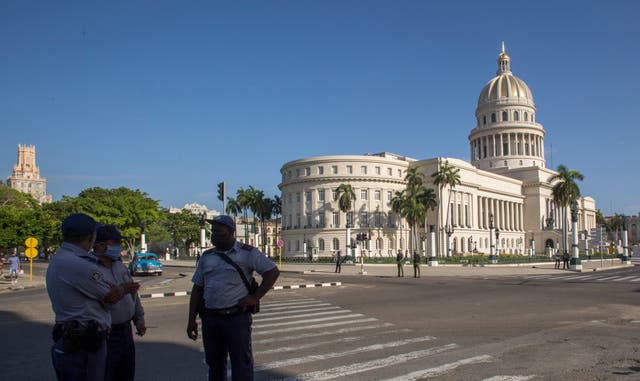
column 145, row 263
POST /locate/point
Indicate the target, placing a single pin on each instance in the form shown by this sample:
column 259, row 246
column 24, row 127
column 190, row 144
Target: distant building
column 26, row 175
column 196, row 209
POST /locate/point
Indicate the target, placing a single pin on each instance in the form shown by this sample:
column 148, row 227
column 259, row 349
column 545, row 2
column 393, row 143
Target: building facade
column 26, row 175
column 506, row 181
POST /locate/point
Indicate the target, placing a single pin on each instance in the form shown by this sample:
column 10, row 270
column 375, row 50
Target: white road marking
column 636, row 280
column 624, row 278
column 316, row 313
column 324, row 333
column 347, row 370
column 288, row 303
column 313, row 326
column 272, row 310
column 305, row 321
column 442, row 369
column 331, row 355
column 320, row 343
column 607, row 278
column 510, row 378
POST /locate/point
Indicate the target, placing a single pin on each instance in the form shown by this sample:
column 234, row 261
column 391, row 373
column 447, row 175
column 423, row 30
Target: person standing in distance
column 416, row 264
column 121, row 351
column 338, row 261
column 81, row 293
column 14, row 266
column 223, row 302
column 399, row 258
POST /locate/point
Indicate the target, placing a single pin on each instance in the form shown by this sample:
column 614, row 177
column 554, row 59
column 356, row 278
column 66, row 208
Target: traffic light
column 221, row 191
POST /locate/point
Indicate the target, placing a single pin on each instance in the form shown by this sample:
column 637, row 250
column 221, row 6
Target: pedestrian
column 80, row 291
column 14, row 268
column 220, row 295
column 338, row 262
column 399, row 258
column 121, row 352
column 416, row 264
column 558, row 259
column 565, row 261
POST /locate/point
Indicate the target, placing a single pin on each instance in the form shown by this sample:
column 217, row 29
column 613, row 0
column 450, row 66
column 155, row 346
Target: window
column 378, row 170
column 399, row 172
column 334, row 195
column 364, row 194
column 309, row 218
column 364, row 219
column 516, row 116
column 320, row 194
column 389, row 195
column 297, row 245
column 505, row 149
column 484, row 119
column 504, row 116
column 321, row 220
column 376, row 195
column 378, row 219
column 298, row 197
column 321, row 244
column 350, row 218
column 389, row 172
column 335, row 244
column 321, row 170
column 298, row 172
column 349, row 169
column 289, row 174
column 307, row 196
column 493, row 117
column 297, row 220
column 336, row 219
column 363, row 169
column 307, row 171
column 334, row 169
column 526, row 117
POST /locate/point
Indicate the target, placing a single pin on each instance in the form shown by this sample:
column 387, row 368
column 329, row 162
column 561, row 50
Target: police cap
column 108, row 233
column 78, row 225
column 224, row 220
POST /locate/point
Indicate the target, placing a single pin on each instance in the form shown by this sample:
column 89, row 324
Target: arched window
column 493, row 117
column 504, row 116
column 321, row 244
column 336, row 244
column 484, row 119
column 454, row 245
column 462, row 244
column 516, row 116
column 526, row 117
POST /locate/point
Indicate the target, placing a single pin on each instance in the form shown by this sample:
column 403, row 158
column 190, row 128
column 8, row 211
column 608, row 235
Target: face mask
column 113, row 252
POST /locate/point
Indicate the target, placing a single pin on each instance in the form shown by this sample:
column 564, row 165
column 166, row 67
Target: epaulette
column 210, row 251
column 247, row 247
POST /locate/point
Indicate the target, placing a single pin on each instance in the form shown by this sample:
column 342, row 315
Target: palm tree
column 428, row 198
column 408, row 206
column 264, row 212
column 345, row 196
column 233, row 207
column 447, row 176
column 244, row 199
column 565, row 191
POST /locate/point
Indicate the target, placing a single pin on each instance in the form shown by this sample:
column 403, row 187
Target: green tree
column 183, row 227
column 564, row 191
column 345, row 196
column 446, row 176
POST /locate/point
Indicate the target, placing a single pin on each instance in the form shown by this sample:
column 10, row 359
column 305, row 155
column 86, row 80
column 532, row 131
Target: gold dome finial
column 503, row 62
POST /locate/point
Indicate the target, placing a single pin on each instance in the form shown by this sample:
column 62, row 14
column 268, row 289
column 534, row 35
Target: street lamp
column 497, row 242
column 449, row 230
column 492, row 258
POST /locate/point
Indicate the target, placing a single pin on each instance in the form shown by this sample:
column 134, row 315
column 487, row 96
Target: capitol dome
column 505, row 87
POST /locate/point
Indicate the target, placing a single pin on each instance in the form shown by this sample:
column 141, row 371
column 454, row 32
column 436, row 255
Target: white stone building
column 26, row 175
column 506, row 179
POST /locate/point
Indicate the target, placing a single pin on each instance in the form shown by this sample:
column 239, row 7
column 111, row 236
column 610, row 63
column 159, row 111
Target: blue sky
column 173, row 97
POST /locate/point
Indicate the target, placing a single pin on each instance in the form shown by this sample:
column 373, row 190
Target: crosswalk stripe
column 607, row 278
column 624, row 278
column 511, row 378
column 331, row 355
column 325, row 333
column 314, row 344
column 272, row 310
column 313, row 326
column 585, row 277
column 302, row 315
column 347, row 370
column 290, row 303
column 305, row 321
column 442, row 369
column 636, row 280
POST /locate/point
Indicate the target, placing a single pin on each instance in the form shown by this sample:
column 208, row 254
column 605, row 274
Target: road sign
column 31, row 252
column 31, row 242
column 280, row 243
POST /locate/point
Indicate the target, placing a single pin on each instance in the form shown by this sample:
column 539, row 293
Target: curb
column 287, row 287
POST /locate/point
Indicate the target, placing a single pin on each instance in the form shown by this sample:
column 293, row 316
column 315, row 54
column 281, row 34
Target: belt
column 225, row 311
column 121, row 325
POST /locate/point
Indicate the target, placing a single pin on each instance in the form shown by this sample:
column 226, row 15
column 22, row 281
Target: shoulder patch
column 246, row 246
column 96, row 276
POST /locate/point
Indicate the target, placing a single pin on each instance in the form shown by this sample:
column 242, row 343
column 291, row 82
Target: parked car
column 145, row 263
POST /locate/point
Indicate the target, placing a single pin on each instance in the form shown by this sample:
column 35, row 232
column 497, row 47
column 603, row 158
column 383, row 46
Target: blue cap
column 224, row 220
column 78, row 224
column 108, row 233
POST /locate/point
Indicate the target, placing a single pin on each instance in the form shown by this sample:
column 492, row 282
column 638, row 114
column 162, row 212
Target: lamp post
column 202, row 233
column 143, row 240
column 576, row 262
column 625, row 242
column 362, row 238
column 492, row 246
column 497, row 242
column 433, row 260
column 449, row 230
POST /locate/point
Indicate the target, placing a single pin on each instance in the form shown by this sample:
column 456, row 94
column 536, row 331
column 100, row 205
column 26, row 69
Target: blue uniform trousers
column 230, row 334
column 121, row 354
column 79, row 365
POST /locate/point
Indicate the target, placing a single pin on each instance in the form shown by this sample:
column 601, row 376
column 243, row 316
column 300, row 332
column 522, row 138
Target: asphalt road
column 580, row 326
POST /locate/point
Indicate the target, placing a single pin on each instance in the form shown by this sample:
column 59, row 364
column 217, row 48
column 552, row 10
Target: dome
column 505, row 87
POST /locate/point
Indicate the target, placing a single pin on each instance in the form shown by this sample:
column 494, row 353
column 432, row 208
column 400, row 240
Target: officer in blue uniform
column 121, row 352
column 81, row 293
column 220, row 297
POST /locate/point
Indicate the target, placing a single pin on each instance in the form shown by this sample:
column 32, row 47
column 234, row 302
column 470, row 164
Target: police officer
column 338, row 262
column 121, row 352
column 399, row 258
column 80, row 292
column 220, row 297
column 416, row 264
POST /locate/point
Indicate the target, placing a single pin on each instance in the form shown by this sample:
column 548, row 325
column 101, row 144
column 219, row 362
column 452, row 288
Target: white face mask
column 113, row 252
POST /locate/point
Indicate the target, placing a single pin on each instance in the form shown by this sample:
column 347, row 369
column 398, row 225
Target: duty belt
column 225, row 311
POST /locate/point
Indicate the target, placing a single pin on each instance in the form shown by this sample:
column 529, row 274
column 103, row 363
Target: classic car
column 145, row 263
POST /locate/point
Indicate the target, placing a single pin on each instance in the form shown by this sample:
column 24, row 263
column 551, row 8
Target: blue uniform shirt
column 76, row 285
column 129, row 307
column 223, row 286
